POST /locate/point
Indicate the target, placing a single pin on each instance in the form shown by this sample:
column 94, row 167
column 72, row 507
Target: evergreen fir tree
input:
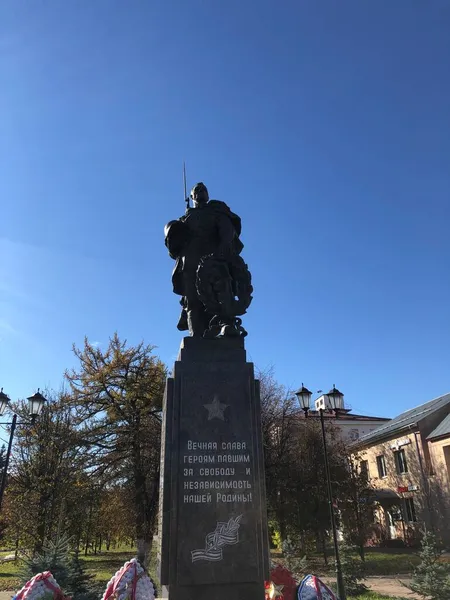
column 353, row 571
column 297, row 565
column 431, row 577
column 82, row 585
column 67, row 569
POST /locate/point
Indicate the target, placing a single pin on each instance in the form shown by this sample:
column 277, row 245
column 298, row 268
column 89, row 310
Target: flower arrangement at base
column 42, row 586
column 130, row 582
column 313, row 588
column 281, row 585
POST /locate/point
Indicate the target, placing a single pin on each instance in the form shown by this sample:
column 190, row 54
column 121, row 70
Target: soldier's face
column 200, row 196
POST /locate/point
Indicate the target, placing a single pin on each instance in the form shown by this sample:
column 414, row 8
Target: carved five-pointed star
column 277, row 590
column 216, row 409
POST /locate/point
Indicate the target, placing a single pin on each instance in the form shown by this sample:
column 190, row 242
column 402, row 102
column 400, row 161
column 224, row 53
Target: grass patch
column 391, row 563
column 8, row 576
column 103, row 566
column 378, row 563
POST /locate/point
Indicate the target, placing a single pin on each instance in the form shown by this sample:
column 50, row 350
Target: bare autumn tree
column 295, row 470
column 118, row 393
column 301, row 504
column 277, row 408
column 114, row 520
column 47, row 468
column 357, row 506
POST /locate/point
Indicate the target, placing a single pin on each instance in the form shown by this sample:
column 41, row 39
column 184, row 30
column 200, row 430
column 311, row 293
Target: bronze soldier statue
column 210, row 275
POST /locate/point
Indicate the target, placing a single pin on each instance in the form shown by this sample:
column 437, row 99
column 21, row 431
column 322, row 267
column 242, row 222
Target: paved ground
column 390, row 586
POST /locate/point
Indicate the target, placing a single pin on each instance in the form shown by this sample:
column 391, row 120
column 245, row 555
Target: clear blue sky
column 324, row 124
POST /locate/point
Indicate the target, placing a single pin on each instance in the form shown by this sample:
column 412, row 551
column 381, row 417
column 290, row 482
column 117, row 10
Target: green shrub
column 66, row 568
column 353, row 571
column 431, row 577
column 292, row 560
column 276, row 539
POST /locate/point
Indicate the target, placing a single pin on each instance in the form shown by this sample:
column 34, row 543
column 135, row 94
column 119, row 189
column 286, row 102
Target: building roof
column 344, row 415
column 442, row 429
column 405, row 420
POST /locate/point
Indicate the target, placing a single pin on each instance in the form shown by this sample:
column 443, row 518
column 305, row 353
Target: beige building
column 439, row 448
column 350, row 426
column 407, row 461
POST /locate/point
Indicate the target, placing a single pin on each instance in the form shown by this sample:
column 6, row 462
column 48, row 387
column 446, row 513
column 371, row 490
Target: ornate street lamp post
column 35, row 405
column 335, row 403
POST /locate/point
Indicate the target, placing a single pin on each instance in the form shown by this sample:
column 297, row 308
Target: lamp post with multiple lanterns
column 333, row 402
column 35, row 405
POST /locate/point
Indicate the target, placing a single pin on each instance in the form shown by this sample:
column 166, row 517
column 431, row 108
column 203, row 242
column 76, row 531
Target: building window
column 381, row 464
column 364, row 469
column 396, row 513
column 410, row 510
column 400, row 462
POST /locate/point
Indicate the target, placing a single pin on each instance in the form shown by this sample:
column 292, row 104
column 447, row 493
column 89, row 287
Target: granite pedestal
column 213, row 528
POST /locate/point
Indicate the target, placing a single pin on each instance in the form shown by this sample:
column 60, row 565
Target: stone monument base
column 213, row 528
column 237, row 591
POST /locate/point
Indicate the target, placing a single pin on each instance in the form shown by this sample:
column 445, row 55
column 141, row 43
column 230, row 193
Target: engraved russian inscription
column 226, row 478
